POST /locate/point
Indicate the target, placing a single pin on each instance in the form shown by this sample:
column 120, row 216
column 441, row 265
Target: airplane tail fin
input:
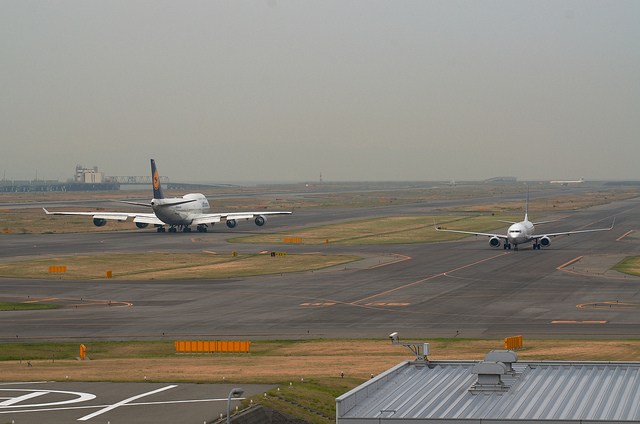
column 155, row 178
column 526, row 212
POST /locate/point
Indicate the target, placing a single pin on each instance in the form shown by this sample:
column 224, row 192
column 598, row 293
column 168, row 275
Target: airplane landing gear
column 161, row 229
column 508, row 246
column 202, row 228
column 172, row 229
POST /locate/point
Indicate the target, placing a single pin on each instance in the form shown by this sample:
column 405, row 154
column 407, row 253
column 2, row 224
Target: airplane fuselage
column 520, row 232
column 180, row 210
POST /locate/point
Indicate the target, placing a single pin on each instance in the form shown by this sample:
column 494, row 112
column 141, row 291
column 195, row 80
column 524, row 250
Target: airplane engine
column 260, row 220
column 545, row 242
column 142, row 224
column 99, row 222
column 494, row 242
column 231, row 223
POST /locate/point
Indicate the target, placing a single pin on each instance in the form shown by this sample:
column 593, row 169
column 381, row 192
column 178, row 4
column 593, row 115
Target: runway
column 450, row 289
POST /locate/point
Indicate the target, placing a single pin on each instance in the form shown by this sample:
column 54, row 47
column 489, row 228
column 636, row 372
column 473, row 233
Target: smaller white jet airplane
column 178, row 212
column 522, row 232
column 580, row 181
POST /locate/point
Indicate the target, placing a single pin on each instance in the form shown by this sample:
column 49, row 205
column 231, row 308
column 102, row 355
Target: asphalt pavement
column 462, row 288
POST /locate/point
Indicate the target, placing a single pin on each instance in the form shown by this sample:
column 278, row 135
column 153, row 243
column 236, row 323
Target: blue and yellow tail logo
column 157, row 189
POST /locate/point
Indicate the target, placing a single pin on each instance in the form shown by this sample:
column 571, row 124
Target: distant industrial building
column 88, row 175
column 85, row 179
column 499, row 389
column 90, row 179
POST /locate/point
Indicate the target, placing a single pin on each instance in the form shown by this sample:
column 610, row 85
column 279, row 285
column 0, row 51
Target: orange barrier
column 514, row 342
column 83, row 352
column 57, row 269
column 200, row 346
column 293, row 240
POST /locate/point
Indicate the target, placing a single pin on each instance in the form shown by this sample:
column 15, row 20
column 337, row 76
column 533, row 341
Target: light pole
column 236, row 393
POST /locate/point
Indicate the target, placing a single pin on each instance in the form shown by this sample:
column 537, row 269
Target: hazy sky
column 274, row 90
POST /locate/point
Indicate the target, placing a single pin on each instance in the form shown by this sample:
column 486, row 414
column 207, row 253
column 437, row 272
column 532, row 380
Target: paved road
column 130, row 403
column 420, row 290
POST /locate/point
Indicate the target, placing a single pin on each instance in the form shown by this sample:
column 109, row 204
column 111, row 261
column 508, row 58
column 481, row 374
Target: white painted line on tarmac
column 125, row 401
column 12, row 400
column 8, row 404
column 64, row 408
column 71, row 408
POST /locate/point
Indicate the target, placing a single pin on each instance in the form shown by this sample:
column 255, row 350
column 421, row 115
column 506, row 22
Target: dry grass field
column 168, row 266
column 275, row 361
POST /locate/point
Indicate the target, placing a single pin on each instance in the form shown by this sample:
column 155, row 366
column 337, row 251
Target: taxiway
column 461, row 288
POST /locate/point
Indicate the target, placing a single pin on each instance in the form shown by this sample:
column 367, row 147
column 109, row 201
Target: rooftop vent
column 489, row 376
column 507, row 357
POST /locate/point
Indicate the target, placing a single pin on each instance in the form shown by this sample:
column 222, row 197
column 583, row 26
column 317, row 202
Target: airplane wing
column 207, row 218
column 567, row 233
column 148, row 218
column 545, row 222
column 501, row 236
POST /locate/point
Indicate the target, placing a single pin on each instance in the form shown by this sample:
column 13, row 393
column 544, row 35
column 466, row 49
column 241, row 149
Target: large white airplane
column 177, row 212
column 581, row 180
column 523, row 232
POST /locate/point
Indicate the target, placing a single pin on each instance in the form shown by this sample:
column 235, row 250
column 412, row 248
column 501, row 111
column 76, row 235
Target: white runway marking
column 125, row 401
column 11, row 401
column 70, row 408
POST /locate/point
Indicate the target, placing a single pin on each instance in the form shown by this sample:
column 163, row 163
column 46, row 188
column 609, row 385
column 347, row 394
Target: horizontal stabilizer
column 171, row 202
column 147, row 205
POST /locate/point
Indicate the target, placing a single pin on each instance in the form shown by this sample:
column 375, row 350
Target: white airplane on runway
column 522, row 232
column 177, row 212
column 580, row 181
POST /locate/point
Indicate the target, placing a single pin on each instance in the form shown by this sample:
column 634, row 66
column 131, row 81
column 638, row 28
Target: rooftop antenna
column 421, row 350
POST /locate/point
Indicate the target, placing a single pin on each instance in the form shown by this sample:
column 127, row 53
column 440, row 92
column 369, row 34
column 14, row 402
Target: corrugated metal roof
column 443, row 390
